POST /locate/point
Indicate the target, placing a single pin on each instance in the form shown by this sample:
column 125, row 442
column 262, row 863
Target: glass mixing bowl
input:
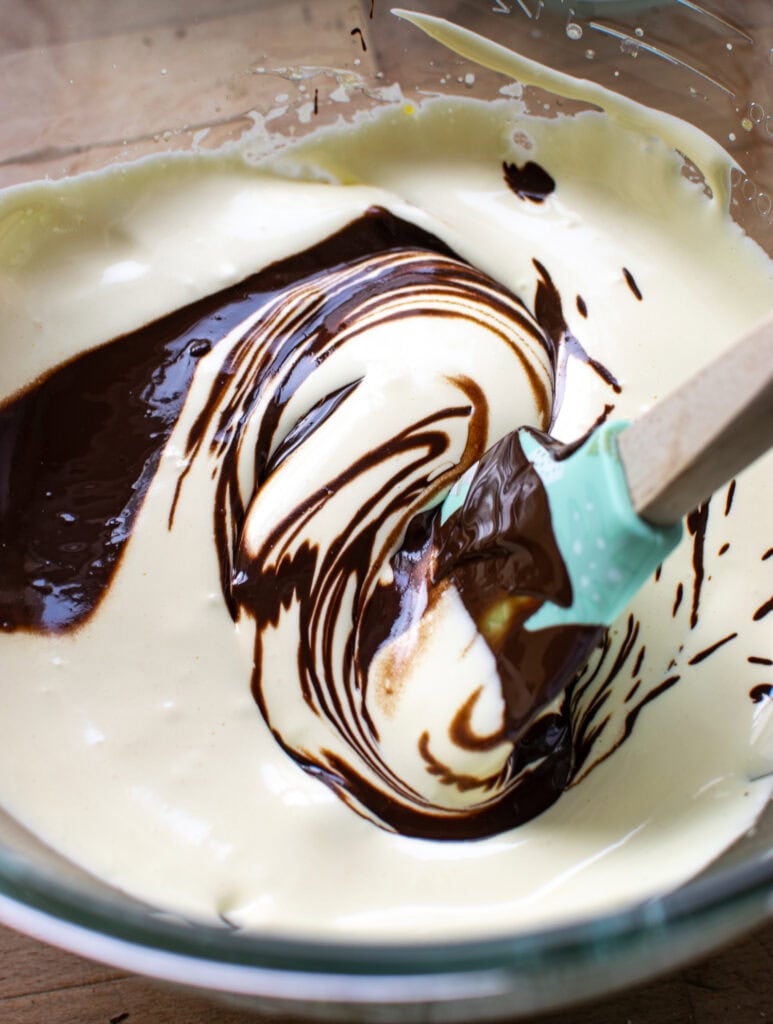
column 92, row 82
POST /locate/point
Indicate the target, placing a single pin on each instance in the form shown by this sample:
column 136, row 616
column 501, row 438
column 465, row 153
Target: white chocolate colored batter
column 153, row 767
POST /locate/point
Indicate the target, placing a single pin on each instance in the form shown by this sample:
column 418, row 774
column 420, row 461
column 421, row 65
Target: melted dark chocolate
column 638, row 663
column 589, row 699
column 529, row 182
column 79, row 448
column 549, row 313
column 78, row 451
column 697, row 523
column 262, row 584
column 357, row 31
column 708, row 651
column 729, row 497
column 630, row 281
column 501, row 554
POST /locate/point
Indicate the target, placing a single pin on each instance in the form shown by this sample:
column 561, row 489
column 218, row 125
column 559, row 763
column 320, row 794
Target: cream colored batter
column 134, row 746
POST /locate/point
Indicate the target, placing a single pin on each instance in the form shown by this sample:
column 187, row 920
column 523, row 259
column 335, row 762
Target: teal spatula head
column 608, row 550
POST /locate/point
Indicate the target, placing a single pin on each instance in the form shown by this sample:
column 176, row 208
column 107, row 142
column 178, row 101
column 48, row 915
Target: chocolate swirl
column 332, row 397
column 349, row 404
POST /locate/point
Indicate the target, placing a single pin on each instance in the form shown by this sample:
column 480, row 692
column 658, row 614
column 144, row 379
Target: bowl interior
column 105, row 83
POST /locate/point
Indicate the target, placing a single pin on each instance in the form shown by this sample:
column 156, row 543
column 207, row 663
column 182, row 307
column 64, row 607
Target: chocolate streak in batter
column 79, row 449
column 529, row 182
column 499, row 552
column 503, row 558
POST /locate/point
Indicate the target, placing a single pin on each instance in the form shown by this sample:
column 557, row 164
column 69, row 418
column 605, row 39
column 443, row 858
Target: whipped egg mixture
column 230, row 387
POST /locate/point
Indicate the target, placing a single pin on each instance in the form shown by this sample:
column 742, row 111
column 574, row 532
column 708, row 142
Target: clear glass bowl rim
column 745, row 890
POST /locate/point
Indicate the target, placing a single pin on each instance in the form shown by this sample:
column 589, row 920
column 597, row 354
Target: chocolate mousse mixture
column 78, row 451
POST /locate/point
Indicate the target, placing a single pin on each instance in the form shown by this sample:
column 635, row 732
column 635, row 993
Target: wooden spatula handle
column 700, row 436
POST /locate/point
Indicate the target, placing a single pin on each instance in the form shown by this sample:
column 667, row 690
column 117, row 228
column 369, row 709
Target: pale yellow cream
column 134, row 745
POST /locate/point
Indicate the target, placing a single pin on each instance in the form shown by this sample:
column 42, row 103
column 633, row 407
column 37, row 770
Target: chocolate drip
column 632, row 692
column 639, row 659
column 529, row 182
column 708, row 651
column 697, row 522
column 629, row 280
column 78, row 450
column 729, row 498
column 549, row 313
column 542, row 762
column 585, row 733
column 588, row 701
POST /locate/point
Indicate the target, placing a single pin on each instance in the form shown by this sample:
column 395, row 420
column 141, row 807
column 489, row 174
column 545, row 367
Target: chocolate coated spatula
column 617, row 501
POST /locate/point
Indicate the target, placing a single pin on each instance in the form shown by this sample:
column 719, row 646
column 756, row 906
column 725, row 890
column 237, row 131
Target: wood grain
column 41, row 985
column 704, row 433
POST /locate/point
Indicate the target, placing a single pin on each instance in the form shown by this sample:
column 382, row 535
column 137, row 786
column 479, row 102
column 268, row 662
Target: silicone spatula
column 616, row 502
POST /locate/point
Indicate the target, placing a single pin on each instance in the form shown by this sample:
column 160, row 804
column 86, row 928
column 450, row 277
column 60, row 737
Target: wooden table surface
column 41, row 985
